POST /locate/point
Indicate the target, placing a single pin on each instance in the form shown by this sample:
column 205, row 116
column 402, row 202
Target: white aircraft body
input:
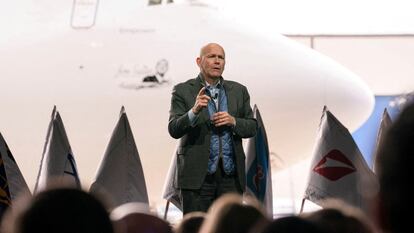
column 90, row 58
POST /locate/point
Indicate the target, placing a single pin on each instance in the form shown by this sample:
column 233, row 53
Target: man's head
column 211, row 61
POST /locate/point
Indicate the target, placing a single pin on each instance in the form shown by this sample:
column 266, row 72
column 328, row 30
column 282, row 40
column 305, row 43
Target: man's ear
column 198, row 60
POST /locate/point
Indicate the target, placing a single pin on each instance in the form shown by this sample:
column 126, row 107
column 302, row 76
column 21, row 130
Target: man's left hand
column 223, row 118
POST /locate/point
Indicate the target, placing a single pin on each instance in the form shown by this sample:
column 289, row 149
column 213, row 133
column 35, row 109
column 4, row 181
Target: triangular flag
column 12, row 183
column 170, row 191
column 338, row 169
column 259, row 176
column 58, row 163
column 120, row 175
column 385, row 124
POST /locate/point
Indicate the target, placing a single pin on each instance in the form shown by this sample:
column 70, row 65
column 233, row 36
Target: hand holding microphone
column 219, row 118
column 201, row 101
column 223, row 118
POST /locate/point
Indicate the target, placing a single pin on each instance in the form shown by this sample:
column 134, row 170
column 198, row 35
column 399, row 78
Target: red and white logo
column 334, row 165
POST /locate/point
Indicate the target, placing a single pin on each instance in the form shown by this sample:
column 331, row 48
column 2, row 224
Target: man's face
column 212, row 61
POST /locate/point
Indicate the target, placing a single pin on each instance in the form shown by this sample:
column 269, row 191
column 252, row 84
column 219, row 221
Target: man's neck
column 211, row 81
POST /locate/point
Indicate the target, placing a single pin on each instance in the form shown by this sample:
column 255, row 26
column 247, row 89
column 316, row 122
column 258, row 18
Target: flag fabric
column 12, row 183
column 258, row 174
column 58, row 163
column 120, row 175
column 384, row 125
column 338, row 169
column 170, row 191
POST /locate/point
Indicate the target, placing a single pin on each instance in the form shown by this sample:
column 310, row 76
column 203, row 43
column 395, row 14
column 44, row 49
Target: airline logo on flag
column 338, row 169
column 71, row 169
column 58, row 162
column 12, row 183
column 334, row 166
column 258, row 175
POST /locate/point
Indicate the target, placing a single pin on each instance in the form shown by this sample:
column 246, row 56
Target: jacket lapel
column 231, row 98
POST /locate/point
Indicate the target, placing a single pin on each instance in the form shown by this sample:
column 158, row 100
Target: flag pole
column 166, row 210
column 301, row 206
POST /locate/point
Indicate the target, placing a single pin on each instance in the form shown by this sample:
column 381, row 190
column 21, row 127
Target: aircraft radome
column 89, row 71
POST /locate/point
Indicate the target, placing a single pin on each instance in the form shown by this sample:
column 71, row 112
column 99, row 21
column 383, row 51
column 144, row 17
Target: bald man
column 210, row 116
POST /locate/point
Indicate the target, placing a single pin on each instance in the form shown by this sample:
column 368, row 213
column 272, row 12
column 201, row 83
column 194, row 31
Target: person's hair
column 230, row 213
column 141, row 223
column 292, row 224
column 339, row 217
column 191, row 222
column 395, row 159
column 63, row 210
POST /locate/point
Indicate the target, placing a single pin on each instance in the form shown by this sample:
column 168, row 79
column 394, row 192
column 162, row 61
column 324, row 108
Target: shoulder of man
column 185, row 84
column 189, row 82
column 232, row 83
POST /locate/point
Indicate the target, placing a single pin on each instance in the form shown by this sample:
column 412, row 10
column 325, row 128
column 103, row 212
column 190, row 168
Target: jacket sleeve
column 179, row 122
column 246, row 125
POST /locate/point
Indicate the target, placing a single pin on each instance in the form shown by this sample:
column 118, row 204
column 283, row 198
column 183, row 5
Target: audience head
column 292, row 224
column 191, row 222
column 230, row 213
column 63, row 210
column 136, row 218
column 339, row 217
column 395, row 159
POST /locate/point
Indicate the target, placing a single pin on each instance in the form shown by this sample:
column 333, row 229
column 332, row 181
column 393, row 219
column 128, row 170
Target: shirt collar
column 216, row 85
column 207, row 85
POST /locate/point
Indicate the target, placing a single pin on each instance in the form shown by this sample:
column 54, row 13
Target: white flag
column 170, row 191
column 120, row 175
column 258, row 173
column 58, row 163
column 12, row 183
column 385, row 124
column 338, row 169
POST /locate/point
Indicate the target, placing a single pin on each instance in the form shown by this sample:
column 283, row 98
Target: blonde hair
column 232, row 213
